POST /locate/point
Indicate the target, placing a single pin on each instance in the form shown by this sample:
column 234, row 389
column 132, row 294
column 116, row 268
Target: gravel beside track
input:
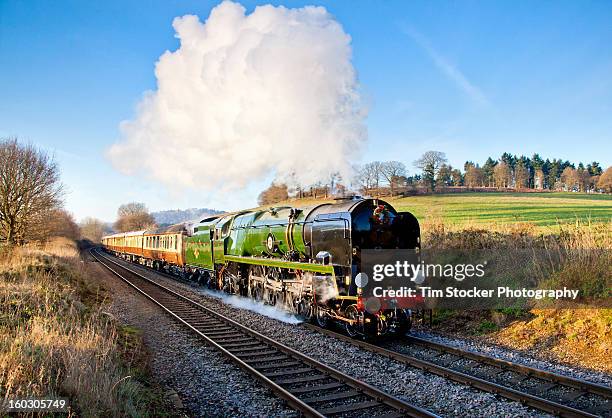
column 424, row 390
column 207, row 384
column 516, row 356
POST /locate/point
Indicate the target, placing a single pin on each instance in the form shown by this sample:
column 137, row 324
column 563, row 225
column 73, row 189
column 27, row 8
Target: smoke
column 247, row 96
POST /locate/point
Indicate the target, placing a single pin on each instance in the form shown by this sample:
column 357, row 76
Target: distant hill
column 170, row 217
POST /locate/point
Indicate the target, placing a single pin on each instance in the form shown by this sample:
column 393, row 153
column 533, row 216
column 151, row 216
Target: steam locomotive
column 304, row 259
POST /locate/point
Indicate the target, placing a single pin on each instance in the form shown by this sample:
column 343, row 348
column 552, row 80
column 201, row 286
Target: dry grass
column 573, row 336
column 54, row 340
column 576, row 255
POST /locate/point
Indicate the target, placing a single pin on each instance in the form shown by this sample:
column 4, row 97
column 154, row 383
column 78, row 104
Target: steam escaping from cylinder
column 324, row 286
column 246, row 96
column 273, row 312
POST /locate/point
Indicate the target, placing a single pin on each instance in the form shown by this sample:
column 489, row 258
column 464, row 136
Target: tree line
column 32, row 201
column 507, row 172
column 434, row 173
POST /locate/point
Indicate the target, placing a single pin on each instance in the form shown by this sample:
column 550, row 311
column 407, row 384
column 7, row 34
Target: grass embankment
column 56, row 341
column 578, row 256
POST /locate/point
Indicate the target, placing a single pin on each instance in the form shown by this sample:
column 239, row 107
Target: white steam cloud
column 250, row 305
column 245, row 96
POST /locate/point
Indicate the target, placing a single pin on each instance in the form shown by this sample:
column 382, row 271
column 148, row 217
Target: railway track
column 549, row 392
column 310, row 387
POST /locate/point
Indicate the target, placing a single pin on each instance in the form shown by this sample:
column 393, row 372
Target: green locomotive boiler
column 303, row 258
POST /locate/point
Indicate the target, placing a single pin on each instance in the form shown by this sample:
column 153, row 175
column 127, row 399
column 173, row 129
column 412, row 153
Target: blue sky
column 471, row 79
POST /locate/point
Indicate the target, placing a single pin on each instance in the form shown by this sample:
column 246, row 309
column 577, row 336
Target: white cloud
column 244, row 96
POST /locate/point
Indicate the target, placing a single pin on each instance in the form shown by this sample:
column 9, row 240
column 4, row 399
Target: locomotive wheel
column 304, row 309
column 321, row 317
column 257, row 293
column 273, row 298
column 352, row 329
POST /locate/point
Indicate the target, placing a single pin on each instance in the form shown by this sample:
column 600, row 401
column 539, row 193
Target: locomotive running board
column 271, row 262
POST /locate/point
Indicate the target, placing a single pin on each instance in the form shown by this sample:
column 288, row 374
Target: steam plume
column 245, row 96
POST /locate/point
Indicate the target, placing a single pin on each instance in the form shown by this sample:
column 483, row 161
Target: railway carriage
column 302, row 258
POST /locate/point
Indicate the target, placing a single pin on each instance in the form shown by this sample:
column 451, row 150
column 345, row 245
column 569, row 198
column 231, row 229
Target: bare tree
column 569, row 178
column 30, row 190
column 61, row 223
column 391, row 171
column 430, row 164
column 93, row 229
column 273, row 194
column 584, row 179
column 370, row 175
column 502, row 175
column 474, row 176
column 605, row 181
column 133, row 217
column 521, row 175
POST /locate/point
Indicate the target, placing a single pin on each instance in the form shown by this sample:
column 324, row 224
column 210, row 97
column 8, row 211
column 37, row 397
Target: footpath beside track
column 307, row 385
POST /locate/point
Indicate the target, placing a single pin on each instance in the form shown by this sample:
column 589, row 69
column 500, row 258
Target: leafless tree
column 474, row 176
column 273, row 194
column 30, row 190
column 569, row 178
column 370, row 175
column 430, row 164
column 133, row 217
column 62, row 224
column 521, row 175
column 584, row 179
column 391, row 171
column 605, row 181
column 93, row 229
column 502, row 175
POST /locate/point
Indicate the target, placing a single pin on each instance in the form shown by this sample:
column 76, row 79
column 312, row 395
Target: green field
column 541, row 209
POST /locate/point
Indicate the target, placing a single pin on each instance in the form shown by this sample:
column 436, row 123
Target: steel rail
column 302, row 404
column 586, row 386
column 534, row 401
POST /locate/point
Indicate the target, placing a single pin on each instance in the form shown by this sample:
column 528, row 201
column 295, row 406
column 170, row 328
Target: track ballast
column 550, row 392
column 308, row 386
